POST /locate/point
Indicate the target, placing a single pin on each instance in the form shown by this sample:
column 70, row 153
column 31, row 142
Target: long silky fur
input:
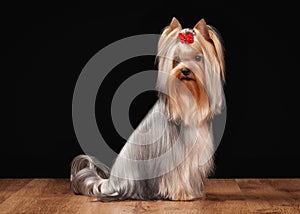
column 187, row 144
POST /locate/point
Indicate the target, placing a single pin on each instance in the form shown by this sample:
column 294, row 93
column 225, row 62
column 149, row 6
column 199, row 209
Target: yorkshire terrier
column 174, row 155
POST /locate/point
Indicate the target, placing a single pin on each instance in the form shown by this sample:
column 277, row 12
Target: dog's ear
column 211, row 35
column 201, row 26
column 170, row 28
column 174, row 24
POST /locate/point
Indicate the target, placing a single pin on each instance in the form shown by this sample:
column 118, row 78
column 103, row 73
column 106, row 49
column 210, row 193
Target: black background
column 49, row 46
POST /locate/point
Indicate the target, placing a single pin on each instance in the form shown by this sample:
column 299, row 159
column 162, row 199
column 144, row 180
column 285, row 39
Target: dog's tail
column 87, row 175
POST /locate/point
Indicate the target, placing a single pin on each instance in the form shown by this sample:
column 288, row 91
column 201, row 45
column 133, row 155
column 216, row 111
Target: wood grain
column 223, row 196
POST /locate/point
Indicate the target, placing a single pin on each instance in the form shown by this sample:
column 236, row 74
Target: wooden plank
column 254, row 192
column 223, row 196
column 21, row 200
column 284, row 194
column 109, row 207
column 57, row 197
column 10, row 186
column 290, row 186
column 262, row 198
column 172, row 207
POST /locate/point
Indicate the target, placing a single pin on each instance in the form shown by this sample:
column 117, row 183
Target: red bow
column 186, row 38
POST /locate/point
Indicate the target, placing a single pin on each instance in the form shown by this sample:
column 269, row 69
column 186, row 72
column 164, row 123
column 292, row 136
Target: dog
column 171, row 153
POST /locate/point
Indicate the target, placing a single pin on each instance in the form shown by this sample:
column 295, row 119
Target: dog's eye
column 198, row 58
column 177, row 59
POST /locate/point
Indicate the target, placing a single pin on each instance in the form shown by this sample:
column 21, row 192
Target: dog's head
column 193, row 61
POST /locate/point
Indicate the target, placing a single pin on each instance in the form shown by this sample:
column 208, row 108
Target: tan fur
column 186, row 182
column 213, row 44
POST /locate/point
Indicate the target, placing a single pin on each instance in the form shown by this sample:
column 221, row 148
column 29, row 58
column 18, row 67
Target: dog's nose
column 185, row 71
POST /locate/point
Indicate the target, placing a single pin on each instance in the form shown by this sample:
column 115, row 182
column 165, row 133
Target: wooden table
column 223, row 196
